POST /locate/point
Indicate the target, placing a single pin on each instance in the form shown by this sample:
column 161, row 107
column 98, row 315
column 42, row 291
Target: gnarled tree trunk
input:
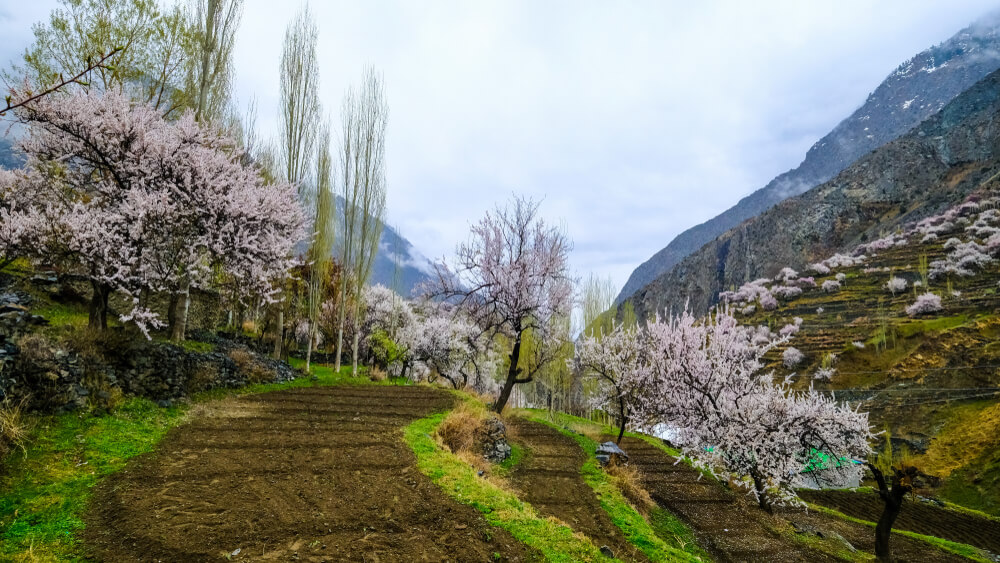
column 99, row 306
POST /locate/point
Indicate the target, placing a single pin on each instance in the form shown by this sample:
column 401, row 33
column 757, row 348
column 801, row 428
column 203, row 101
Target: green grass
column 556, row 541
column 961, row 549
column 636, row 529
column 937, row 324
column 506, row 466
column 45, row 492
column 75, row 316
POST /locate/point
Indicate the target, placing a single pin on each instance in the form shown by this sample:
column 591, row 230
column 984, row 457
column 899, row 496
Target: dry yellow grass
column 458, row 430
column 970, row 431
column 628, row 480
column 13, row 427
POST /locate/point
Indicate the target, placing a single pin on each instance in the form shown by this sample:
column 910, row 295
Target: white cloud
column 632, row 121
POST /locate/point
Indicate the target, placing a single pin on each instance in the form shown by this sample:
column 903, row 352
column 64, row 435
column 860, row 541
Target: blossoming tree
column 138, row 204
column 707, row 383
column 512, row 276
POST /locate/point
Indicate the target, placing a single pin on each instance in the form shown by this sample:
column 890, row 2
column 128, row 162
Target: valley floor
column 329, row 473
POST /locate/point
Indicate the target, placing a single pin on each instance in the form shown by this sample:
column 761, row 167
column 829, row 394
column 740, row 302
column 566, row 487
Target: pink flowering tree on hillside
column 511, row 277
column 140, row 205
column 620, row 361
column 735, row 420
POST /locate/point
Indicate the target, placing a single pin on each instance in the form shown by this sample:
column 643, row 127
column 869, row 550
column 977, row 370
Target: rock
column 608, row 452
column 607, row 552
column 493, row 436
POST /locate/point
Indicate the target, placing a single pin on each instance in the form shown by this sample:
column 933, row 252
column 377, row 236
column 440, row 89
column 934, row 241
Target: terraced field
column 317, row 474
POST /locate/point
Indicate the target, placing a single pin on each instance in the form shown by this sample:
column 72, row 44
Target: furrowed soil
column 549, row 479
column 918, row 517
column 315, row 474
column 732, row 528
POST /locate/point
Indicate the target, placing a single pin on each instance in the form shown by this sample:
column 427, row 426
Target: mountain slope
column 913, row 92
column 399, row 265
column 933, row 167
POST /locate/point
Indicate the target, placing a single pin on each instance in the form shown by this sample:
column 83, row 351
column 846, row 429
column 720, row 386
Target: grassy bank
column 556, row 541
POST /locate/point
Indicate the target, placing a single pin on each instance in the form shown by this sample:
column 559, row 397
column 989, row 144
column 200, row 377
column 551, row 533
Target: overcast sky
column 631, row 121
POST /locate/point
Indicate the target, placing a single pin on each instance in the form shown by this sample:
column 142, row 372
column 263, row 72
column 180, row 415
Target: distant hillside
column 932, row 377
column 413, row 267
column 913, row 92
column 931, row 168
column 8, row 158
column 398, row 264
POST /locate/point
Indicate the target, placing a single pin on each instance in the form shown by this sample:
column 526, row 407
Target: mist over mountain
column 914, row 91
column 938, row 164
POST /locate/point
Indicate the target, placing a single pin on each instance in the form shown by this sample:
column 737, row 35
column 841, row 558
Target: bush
column 247, row 363
column 926, row 303
column 831, row 286
column 13, row 427
column 792, row 357
column 628, row 480
column 896, row 285
column 459, row 429
column 34, row 348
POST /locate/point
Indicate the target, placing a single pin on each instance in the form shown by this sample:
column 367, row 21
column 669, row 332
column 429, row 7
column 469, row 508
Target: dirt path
column 733, row 529
column 549, row 479
column 318, row 474
column 916, row 517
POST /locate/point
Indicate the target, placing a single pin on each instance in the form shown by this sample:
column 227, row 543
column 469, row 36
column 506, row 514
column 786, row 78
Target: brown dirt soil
column 918, row 517
column 549, row 479
column 318, row 474
column 731, row 527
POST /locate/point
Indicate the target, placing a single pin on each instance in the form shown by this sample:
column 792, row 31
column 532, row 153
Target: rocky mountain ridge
column 914, row 91
column 931, row 168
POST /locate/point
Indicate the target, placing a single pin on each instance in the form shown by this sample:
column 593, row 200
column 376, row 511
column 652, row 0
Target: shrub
column 789, row 330
column 925, row 303
column 249, row 366
column 895, row 285
column 792, row 357
column 786, row 292
column 203, row 377
column 819, row 268
column 628, row 479
column 13, row 427
column 34, row 348
column 459, row 429
column 768, row 302
column 831, row 286
column 841, row 277
column 786, row 274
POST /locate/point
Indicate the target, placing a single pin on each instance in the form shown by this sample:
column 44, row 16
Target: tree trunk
column 354, row 350
column 99, row 306
column 309, row 346
column 892, row 499
column 512, row 373
column 178, row 320
column 622, row 418
column 343, row 318
column 883, row 530
column 758, row 484
column 279, row 334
